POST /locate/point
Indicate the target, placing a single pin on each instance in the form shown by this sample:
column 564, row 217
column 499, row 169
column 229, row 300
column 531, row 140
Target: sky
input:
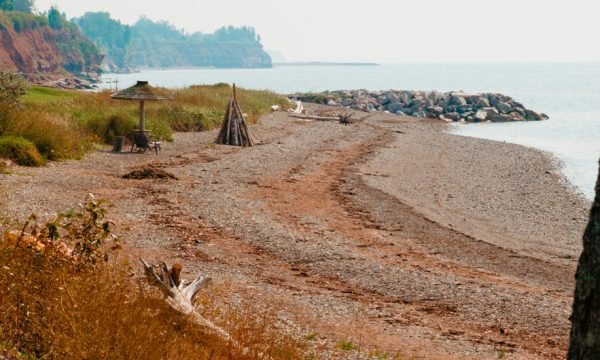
column 385, row 31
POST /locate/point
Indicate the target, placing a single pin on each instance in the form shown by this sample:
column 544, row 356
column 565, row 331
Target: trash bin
column 118, row 143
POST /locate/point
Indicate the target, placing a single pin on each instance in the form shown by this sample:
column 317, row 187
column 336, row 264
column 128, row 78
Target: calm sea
column 568, row 93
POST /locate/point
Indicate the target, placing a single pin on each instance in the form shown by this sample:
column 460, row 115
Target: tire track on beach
column 330, row 192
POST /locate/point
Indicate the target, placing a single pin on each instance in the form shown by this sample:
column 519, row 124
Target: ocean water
column 568, row 93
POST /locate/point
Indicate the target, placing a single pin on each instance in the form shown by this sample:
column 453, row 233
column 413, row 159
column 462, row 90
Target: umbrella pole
column 142, row 116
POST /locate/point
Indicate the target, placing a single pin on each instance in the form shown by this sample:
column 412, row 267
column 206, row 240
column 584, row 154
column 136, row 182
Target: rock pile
column 449, row 106
column 72, row 82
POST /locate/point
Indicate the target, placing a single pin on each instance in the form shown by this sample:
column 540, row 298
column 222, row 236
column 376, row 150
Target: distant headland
column 324, row 63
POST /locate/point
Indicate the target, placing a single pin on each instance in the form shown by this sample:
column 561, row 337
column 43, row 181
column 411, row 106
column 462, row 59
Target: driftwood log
column 343, row 119
column 179, row 294
column 299, row 108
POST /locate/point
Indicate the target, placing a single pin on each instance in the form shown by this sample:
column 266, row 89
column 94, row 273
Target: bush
column 12, row 88
column 187, row 119
column 115, row 125
column 20, row 150
column 54, row 137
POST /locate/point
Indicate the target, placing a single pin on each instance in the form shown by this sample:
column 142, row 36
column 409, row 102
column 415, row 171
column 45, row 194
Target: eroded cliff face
column 30, row 51
column 41, row 50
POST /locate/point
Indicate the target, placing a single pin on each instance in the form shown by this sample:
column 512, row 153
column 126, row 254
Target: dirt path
column 304, row 220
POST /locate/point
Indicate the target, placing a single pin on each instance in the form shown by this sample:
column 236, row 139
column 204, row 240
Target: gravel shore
column 389, row 231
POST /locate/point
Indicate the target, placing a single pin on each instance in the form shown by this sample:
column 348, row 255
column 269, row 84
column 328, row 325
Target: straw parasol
column 142, row 92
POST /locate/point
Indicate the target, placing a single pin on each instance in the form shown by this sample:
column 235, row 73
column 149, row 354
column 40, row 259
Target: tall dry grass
column 65, row 124
column 63, row 304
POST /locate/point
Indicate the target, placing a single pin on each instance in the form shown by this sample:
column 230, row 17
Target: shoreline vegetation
column 56, row 124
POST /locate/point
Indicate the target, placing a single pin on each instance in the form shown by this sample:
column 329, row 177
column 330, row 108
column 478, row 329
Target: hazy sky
column 385, row 30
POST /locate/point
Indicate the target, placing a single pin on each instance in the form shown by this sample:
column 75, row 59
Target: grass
column 65, row 124
column 85, row 306
column 39, row 94
column 346, row 345
column 20, row 150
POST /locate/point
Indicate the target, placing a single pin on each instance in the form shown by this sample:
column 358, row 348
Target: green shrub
column 182, row 118
column 160, row 129
column 20, row 150
column 12, row 88
column 115, row 125
column 54, row 137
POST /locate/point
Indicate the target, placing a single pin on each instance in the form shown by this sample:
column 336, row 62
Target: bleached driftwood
column 179, row 294
column 343, row 119
column 299, row 108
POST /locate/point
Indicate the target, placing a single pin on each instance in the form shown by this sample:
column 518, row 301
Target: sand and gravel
column 389, row 231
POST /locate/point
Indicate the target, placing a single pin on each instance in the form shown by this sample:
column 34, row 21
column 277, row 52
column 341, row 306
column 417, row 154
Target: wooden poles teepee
column 235, row 129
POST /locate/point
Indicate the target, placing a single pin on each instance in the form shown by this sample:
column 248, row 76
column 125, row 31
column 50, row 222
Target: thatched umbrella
column 142, row 92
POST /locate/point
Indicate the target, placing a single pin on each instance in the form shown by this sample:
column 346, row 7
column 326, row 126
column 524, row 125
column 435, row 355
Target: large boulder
column 405, row 98
column 451, row 108
column 464, row 108
column 347, row 102
column 437, row 110
column 481, row 115
column 503, row 107
column 393, row 98
column 493, row 100
column 519, row 110
column 483, row 102
column 457, row 100
column 383, row 100
column 454, row 116
column 417, row 103
column 532, row 115
column 516, row 116
column 420, row 114
column 394, row 107
column 501, row 118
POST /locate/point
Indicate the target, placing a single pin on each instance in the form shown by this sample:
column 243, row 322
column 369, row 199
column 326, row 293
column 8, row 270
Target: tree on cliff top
column 7, row 5
column 25, row 6
column 585, row 332
column 56, row 19
column 108, row 34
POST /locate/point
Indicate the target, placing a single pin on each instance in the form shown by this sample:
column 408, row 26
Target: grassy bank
column 63, row 124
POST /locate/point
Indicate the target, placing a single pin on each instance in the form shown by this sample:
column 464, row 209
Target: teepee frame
column 235, row 129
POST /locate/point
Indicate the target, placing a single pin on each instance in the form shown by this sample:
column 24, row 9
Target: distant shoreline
column 324, row 63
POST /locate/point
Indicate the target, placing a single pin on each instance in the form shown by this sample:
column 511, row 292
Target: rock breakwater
column 449, row 106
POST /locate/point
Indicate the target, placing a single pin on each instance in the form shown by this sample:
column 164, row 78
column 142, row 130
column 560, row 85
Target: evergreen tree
column 25, row 6
column 56, row 20
column 7, row 5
